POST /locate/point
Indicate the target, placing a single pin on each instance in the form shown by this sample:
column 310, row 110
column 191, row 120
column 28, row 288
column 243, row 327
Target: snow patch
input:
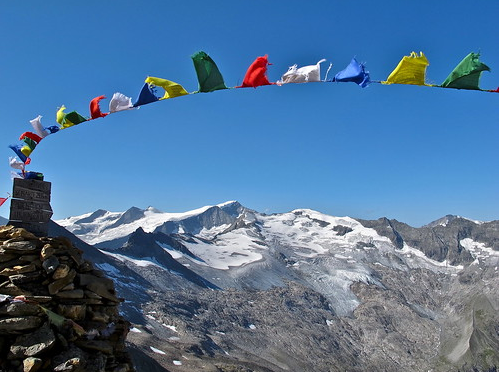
column 157, row 351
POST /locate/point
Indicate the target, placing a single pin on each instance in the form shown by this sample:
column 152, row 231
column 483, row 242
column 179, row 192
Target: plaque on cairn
column 30, row 205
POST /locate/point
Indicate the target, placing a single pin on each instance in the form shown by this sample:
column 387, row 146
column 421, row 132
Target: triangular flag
column 146, row 96
column 305, row 74
column 209, row 77
column 355, row 72
column 256, row 75
column 3, row 200
column 171, row 88
column 410, row 70
column 95, row 111
column 466, row 75
column 120, row 102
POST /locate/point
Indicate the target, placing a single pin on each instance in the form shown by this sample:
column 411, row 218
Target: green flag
column 466, row 75
column 209, row 77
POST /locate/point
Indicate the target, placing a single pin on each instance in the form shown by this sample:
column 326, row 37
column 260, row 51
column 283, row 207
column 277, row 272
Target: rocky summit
column 57, row 312
column 225, row 288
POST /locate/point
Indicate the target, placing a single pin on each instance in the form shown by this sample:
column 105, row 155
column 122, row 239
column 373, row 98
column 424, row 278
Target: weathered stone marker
column 30, row 205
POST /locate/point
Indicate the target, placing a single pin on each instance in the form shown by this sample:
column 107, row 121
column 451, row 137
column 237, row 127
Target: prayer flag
column 19, row 153
column 146, row 96
column 61, row 115
column 171, row 88
column 354, row 72
column 209, row 77
column 74, row 118
column 95, row 111
column 256, row 75
column 3, row 200
column 120, row 102
column 466, row 75
column 36, row 123
column 410, row 70
column 30, row 135
column 14, row 163
column 305, row 74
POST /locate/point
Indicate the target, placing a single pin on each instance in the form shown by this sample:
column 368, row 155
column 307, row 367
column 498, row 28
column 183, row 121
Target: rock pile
column 57, row 312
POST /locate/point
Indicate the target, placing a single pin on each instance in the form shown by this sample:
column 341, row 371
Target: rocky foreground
column 57, row 312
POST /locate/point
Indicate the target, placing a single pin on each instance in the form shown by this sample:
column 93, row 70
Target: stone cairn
column 57, row 312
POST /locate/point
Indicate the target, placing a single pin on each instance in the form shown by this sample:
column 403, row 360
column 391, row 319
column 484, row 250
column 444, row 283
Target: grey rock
column 33, row 344
column 19, row 324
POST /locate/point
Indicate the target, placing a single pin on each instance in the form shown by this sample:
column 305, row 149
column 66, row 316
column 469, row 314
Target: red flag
column 95, row 111
column 2, row 200
column 257, row 74
column 31, row 135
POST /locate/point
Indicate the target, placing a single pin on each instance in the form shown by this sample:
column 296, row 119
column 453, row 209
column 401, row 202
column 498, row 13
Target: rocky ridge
column 57, row 312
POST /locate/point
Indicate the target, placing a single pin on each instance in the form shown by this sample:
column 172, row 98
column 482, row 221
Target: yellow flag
column 410, row 70
column 61, row 118
column 171, row 89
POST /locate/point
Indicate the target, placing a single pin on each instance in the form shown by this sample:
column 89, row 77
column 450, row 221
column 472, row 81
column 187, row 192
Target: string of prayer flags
column 120, row 102
column 410, row 70
column 171, row 88
column 355, row 72
column 209, row 76
column 256, row 75
column 95, row 111
column 305, row 74
column 146, row 96
column 466, row 75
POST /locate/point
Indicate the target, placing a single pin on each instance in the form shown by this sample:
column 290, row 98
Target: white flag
column 120, row 102
column 305, row 74
column 36, row 123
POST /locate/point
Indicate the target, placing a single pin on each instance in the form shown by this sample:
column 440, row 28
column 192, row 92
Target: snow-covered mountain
column 227, row 285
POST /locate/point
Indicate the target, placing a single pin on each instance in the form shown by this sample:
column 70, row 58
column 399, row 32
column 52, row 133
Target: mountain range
column 226, row 288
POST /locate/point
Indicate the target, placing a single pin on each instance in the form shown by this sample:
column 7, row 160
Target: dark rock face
column 439, row 242
column 57, row 317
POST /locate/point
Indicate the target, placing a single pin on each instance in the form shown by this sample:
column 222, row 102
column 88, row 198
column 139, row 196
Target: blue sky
column 405, row 152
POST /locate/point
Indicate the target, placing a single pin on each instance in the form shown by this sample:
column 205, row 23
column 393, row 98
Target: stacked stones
column 57, row 312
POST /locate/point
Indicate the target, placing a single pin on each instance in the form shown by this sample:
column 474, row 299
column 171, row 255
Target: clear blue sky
column 405, row 152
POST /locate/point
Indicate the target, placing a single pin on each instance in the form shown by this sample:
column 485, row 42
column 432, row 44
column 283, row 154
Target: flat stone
column 6, row 256
column 75, row 293
column 16, row 309
column 8, row 288
column 75, row 312
column 70, row 365
column 11, row 263
column 33, row 344
column 25, row 278
column 22, row 246
column 61, row 272
column 102, row 291
column 32, row 364
column 56, row 286
column 23, row 323
column 18, row 270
